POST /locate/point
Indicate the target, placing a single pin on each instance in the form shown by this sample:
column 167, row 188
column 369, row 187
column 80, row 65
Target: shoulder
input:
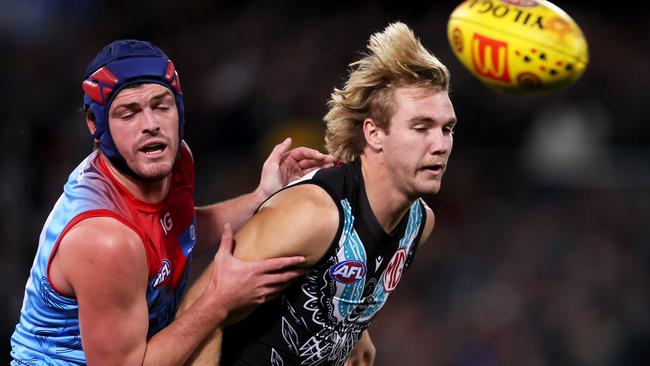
column 300, row 220
column 430, row 222
column 306, row 195
column 307, row 204
column 99, row 250
column 105, row 265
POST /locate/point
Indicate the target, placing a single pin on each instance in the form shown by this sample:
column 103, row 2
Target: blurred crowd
column 541, row 249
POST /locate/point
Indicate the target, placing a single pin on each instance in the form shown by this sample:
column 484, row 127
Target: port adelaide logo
column 348, row 271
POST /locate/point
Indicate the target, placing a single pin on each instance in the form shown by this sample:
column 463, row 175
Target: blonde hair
column 396, row 59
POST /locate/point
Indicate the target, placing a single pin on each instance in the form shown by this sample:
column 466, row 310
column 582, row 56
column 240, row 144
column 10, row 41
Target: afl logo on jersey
column 393, row 271
column 348, row 271
column 164, row 273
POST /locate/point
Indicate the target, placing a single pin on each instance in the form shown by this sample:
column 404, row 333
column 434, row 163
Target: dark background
column 540, row 253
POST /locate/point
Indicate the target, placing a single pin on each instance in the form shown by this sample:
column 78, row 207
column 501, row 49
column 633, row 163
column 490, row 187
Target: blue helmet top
column 117, row 66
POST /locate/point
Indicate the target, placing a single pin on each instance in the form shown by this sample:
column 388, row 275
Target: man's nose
column 440, row 142
column 150, row 123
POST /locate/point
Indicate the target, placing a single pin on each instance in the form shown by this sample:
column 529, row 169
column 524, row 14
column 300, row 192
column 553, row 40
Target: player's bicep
column 302, row 220
column 106, row 265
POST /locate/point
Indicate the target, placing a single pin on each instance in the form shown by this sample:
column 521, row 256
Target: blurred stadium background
column 541, row 251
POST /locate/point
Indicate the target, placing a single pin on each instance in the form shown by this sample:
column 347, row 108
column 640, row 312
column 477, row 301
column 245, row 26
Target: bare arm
column 212, row 218
column 280, row 168
column 301, row 220
column 111, row 293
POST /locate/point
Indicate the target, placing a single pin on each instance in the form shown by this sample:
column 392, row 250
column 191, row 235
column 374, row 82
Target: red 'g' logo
column 490, row 58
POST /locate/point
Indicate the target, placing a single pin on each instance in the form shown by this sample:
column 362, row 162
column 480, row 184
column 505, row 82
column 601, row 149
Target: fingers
column 303, row 160
column 277, row 264
column 308, row 164
column 284, row 277
column 303, row 153
column 226, row 239
column 279, row 150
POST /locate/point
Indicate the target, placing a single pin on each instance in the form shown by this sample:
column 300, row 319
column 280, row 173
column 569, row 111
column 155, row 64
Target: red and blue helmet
column 119, row 65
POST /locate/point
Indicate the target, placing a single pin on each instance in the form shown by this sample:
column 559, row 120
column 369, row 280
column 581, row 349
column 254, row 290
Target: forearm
column 209, row 352
column 175, row 344
column 236, row 211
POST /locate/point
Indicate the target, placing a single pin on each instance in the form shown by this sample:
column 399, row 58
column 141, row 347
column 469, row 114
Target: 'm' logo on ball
column 490, row 58
column 394, row 270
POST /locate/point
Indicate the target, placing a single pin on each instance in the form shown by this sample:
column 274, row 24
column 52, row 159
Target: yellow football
column 518, row 46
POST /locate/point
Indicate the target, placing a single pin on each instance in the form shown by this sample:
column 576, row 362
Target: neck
column 150, row 192
column 387, row 203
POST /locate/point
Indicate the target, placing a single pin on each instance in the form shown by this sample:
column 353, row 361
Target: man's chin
column 154, row 174
column 430, row 190
column 156, row 178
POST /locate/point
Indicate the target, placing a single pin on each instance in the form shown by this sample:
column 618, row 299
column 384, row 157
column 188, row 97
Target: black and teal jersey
column 319, row 319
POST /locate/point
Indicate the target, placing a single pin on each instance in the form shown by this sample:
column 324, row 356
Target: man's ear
column 90, row 122
column 374, row 134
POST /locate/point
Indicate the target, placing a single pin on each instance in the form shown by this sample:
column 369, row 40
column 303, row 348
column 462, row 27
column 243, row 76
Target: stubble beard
column 154, row 172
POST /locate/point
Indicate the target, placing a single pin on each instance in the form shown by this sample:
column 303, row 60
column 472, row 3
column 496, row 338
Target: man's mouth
column 154, row 148
column 434, row 168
